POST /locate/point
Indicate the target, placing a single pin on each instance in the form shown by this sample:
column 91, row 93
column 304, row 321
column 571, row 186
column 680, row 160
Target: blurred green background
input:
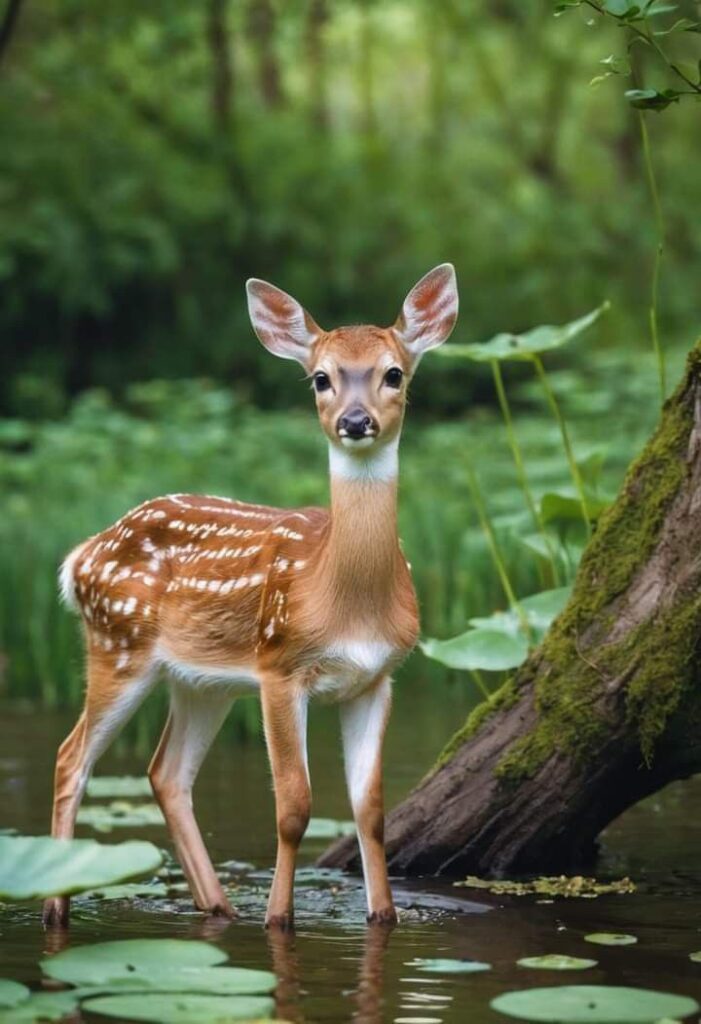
column 152, row 157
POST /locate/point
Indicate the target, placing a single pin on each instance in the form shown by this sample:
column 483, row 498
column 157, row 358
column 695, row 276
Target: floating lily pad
column 161, row 965
column 182, row 1009
column 593, row 1004
column 611, row 939
column 41, row 1006
column 328, row 828
column 129, row 891
column 447, row 966
column 12, row 993
column 32, row 867
column 120, row 814
column 558, row 885
column 696, row 957
column 557, row 962
column 102, row 786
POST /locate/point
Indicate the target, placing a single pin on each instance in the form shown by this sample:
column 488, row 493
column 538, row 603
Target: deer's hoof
column 387, row 916
column 56, row 912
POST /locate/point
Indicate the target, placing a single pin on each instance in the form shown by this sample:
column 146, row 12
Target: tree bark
column 606, row 711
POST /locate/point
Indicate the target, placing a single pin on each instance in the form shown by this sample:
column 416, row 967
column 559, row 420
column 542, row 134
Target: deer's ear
column 282, row 325
column 429, row 311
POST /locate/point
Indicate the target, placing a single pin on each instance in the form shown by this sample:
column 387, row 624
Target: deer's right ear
column 282, row 325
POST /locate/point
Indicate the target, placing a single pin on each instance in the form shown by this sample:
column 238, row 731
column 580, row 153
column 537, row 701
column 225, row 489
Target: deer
column 227, row 598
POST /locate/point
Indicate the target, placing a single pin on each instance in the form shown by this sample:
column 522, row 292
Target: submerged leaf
column 556, row 962
column 32, row 867
column 182, row 1009
column 558, row 885
column 611, row 939
column 447, row 966
column 593, row 1004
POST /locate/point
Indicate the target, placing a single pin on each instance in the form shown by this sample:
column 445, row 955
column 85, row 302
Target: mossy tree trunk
column 604, row 712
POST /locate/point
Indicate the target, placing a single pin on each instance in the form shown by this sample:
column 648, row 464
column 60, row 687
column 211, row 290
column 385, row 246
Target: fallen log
column 606, row 711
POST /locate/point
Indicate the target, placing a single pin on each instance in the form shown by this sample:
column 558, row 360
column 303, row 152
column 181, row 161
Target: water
column 334, row 969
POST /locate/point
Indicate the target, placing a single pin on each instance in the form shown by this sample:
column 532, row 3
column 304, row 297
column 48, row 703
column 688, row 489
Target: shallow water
column 334, row 969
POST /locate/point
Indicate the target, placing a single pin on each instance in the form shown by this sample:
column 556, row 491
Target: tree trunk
column 606, row 711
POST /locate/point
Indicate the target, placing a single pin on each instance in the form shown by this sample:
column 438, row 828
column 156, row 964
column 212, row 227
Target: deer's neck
column 358, row 563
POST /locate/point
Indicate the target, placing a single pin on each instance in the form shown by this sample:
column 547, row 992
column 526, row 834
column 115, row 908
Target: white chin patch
column 359, row 442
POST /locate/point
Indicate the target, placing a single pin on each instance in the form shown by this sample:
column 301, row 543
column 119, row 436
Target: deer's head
column 359, row 374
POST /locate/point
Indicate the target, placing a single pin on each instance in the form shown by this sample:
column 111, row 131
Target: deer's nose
column 355, row 423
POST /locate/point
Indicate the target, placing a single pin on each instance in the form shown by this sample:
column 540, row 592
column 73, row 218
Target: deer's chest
column 347, row 667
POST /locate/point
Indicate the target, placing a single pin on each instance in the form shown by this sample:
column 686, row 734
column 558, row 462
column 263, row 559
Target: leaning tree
column 606, row 711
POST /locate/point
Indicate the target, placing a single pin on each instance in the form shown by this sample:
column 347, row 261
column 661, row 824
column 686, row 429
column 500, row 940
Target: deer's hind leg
column 196, row 715
column 112, row 696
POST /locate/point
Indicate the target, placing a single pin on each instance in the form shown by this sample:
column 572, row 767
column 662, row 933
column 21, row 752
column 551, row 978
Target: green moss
column 568, row 683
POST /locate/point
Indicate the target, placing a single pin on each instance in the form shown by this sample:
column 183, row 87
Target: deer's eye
column 322, row 381
column 393, row 377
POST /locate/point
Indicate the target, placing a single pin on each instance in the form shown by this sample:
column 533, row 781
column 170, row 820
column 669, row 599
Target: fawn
column 231, row 598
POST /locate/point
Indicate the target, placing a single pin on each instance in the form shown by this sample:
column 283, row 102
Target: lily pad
column 696, row 957
column 524, row 346
column 328, row 828
column 492, row 650
column 160, row 965
column 181, row 1009
column 120, row 814
column 593, row 1004
column 556, row 962
column 611, row 939
column 12, row 993
column 32, row 867
column 447, row 966
column 102, row 786
column 41, row 1006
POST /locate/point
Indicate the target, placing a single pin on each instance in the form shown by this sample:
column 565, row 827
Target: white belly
column 240, row 679
column 350, row 666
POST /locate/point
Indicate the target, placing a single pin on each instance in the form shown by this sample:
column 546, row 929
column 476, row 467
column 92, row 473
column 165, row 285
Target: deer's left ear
column 282, row 325
column 429, row 311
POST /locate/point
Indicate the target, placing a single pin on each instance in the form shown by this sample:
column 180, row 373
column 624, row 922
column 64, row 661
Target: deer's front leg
column 363, row 723
column 285, row 722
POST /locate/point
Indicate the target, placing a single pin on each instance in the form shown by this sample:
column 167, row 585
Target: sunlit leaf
column 32, row 867
column 524, row 346
column 539, row 609
column 487, row 649
column 696, row 957
column 443, row 965
column 652, row 99
column 182, row 1009
column 556, row 962
column 328, row 828
column 593, row 1004
column 611, row 939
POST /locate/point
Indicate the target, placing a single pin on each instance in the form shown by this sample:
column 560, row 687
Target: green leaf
column 120, row 814
column 102, row 786
column 12, row 993
column 101, row 962
column 447, row 966
column 488, row 649
column 524, row 346
column 621, row 8
column 32, row 867
column 696, row 957
column 557, row 962
column 539, row 609
column 616, row 65
column 328, row 828
column 593, row 1004
column 182, row 1009
column 611, row 939
column 559, row 508
column 651, row 99
column 42, row 1006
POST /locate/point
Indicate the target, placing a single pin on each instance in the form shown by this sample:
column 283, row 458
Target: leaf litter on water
column 556, row 885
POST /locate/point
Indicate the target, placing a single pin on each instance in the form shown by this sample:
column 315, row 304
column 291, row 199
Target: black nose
column 354, row 423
